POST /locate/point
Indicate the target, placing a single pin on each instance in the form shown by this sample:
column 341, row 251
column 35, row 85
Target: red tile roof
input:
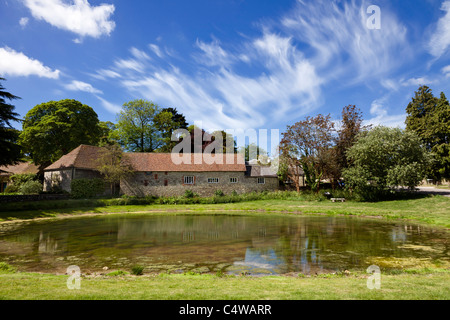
column 161, row 162
column 85, row 157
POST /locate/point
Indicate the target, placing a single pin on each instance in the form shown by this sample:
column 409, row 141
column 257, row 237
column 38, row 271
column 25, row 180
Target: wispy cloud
column 13, row 63
column 343, row 44
column 77, row 16
column 24, row 21
column 440, row 40
column 76, row 85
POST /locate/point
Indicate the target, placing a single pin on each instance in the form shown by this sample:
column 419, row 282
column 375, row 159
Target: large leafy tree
column 10, row 150
column 429, row 118
column 53, row 129
column 305, row 145
column 137, row 126
column 167, row 122
column 384, row 159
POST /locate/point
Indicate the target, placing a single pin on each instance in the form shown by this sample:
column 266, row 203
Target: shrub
column 12, row 189
column 189, row 194
column 20, row 179
column 117, row 273
column 137, row 270
column 31, row 187
column 87, row 188
column 6, row 268
column 219, row 193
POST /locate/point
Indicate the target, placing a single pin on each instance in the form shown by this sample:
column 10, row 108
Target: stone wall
column 169, row 184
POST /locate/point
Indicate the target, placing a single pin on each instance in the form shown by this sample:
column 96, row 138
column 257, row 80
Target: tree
column 253, row 152
column 167, row 122
column 114, row 165
column 53, row 129
column 10, row 150
column 384, row 159
column 137, row 126
column 305, row 145
column 429, row 118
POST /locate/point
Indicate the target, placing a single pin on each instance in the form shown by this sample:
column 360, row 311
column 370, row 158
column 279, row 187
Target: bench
column 338, row 199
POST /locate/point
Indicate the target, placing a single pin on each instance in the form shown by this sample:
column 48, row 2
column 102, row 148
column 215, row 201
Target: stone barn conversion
column 155, row 174
column 81, row 163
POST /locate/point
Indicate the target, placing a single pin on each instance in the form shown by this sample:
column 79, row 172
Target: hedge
column 87, row 188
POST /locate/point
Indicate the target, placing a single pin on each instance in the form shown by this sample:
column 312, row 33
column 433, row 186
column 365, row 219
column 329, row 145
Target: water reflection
column 235, row 244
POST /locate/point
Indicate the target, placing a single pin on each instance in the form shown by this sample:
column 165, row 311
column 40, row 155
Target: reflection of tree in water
column 289, row 244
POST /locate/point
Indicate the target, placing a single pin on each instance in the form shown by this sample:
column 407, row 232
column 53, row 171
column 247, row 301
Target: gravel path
column 432, row 190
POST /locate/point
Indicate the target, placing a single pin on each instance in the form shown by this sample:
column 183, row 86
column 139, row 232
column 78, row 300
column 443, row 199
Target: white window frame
column 261, row 181
column 213, row 180
column 234, row 180
column 189, row 180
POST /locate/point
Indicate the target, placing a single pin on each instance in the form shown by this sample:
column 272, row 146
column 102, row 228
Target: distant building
column 21, row 168
column 155, row 174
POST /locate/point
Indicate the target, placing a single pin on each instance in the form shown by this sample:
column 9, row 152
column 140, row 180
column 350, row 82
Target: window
column 156, row 176
column 213, row 180
column 261, row 180
column 234, row 180
column 166, row 183
column 189, row 180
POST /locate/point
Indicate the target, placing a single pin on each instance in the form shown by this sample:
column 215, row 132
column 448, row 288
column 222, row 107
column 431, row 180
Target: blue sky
column 235, row 64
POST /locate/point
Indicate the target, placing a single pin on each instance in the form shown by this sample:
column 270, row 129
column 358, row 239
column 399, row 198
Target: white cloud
column 156, row 50
column 15, row 63
column 440, row 40
column 23, row 22
column 446, row 71
column 113, row 108
column 81, row 86
column 77, row 16
column 416, row 82
column 380, row 115
column 227, row 99
column 342, row 43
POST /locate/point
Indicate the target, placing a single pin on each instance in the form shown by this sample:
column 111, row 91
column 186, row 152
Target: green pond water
column 238, row 244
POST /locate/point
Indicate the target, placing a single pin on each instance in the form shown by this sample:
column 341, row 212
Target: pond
column 235, row 244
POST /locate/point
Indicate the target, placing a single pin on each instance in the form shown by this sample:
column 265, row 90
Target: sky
column 228, row 64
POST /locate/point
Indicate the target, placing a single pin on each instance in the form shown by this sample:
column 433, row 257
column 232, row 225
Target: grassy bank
column 413, row 285
column 428, row 210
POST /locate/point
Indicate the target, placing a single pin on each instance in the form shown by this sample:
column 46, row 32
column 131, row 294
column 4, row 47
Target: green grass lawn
column 406, row 286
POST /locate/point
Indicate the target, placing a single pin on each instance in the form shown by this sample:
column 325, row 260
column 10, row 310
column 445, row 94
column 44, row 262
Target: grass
column 425, row 285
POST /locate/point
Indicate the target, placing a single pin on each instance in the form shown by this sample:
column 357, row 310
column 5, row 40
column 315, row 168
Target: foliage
column 53, row 129
column 304, row 147
column 6, row 268
column 10, row 150
column 137, row 270
column 167, row 122
column 429, row 118
column 219, row 193
column 11, row 189
column 137, row 128
column 384, row 159
column 189, row 194
column 114, row 165
column 31, row 187
column 87, row 188
column 20, row 179
column 252, row 151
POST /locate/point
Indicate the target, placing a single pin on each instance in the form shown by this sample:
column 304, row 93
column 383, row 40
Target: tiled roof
column 161, row 162
column 23, row 167
column 83, row 157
